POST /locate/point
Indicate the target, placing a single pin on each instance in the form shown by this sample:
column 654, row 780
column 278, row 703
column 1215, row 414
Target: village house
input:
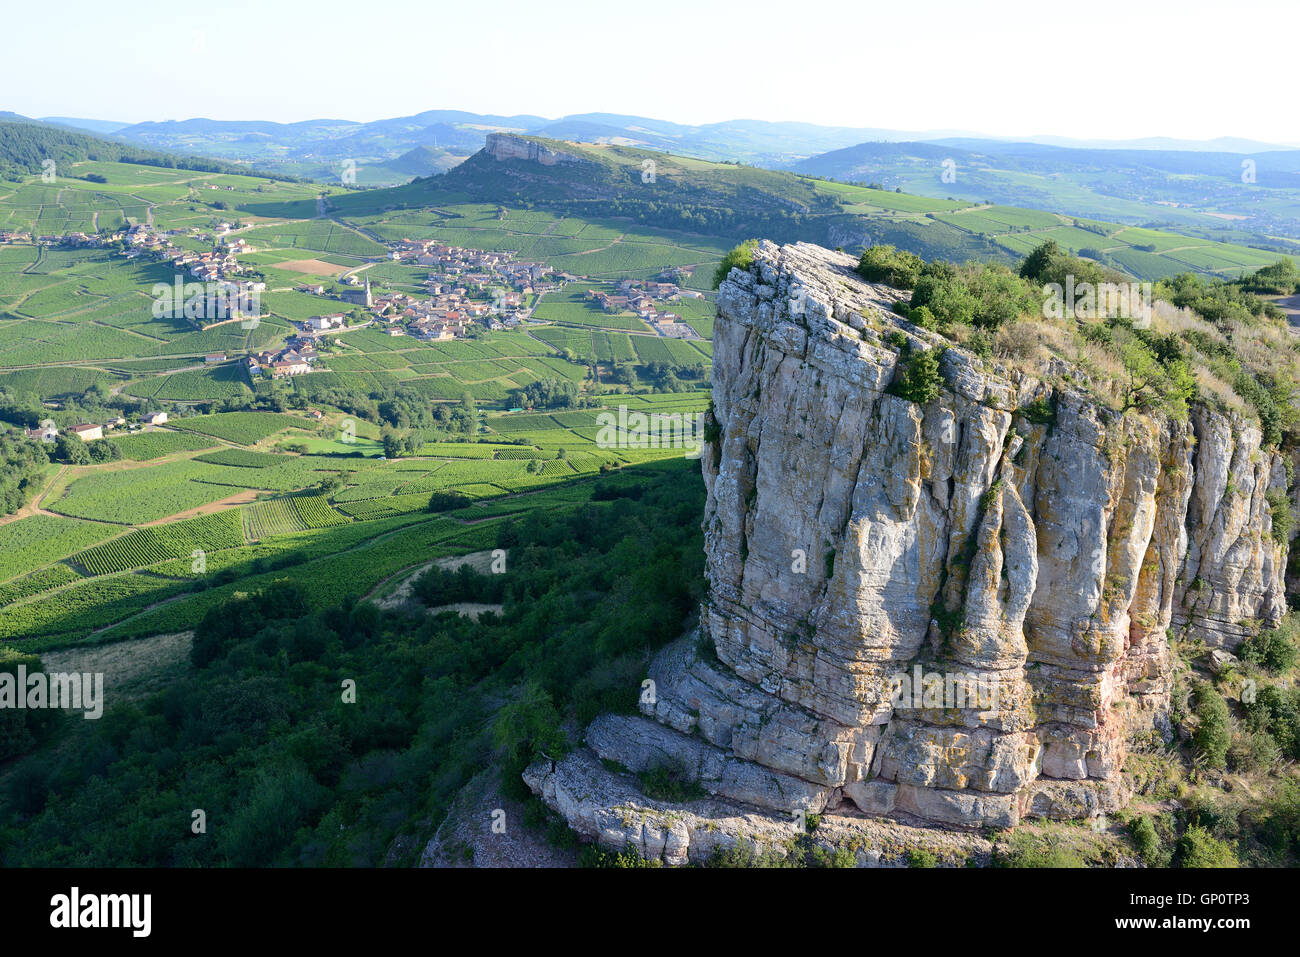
column 87, row 432
column 285, row 368
column 323, row 323
column 45, row 433
column 154, row 418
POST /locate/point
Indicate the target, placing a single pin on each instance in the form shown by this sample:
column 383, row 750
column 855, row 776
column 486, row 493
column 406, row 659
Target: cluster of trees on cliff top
column 1230, row 348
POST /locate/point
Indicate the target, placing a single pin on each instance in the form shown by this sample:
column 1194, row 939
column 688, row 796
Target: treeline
column 258, row 731
column 25, row 146
column 548, row 394
column 22, row 462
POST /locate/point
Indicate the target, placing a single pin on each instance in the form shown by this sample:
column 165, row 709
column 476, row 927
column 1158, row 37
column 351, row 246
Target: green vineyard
column 298, row 513
column 149, row 546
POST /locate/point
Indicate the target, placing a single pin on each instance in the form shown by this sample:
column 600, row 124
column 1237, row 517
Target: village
column 644, row 298
column 467, row 291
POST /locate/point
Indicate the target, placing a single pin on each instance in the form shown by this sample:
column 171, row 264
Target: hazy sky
column 1100, row 69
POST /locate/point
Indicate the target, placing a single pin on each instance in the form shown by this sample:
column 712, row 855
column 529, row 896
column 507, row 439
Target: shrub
column 1275, row 712
column 1029, row 850
column 920, row 857
column 1146, row 841
column 1213, row 735
column 1041, row 411
column 1279, row 507
column 1273, row 648
column 920, row 379
column 947, row 298
column 921, row 316
column 741, row 257
column 1279, row 825
column 593, row 856
column 22, row 729
column 894, row 267
column 669, row 782
column 1253, row 751
column 1198, row 848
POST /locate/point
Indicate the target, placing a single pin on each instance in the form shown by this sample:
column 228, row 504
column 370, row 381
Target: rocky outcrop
column 954, row 612
column 505, row 146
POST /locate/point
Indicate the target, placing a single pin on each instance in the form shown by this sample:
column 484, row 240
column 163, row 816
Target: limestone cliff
column 870, row 558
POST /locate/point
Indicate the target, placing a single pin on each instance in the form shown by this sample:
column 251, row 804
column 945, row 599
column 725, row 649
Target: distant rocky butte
column 955, row 538
column 505, row 146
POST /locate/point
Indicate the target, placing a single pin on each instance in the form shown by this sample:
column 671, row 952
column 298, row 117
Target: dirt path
column 480, row 561
column 240, row 498
column 34, row 506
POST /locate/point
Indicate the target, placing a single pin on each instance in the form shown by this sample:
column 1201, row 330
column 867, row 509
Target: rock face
column 954, row 612
column 503, row 146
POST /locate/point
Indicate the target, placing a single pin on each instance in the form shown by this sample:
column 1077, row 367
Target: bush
column 920, row 857
column 1254, row 751
column 1279, row 507
column 22, row 729
column 1213, row 734
column 1146, row 841
column 921, row 316
column 947, row 298
column 1275, row 712
column 920, row 379
column 1273, row 648
column 594, row 856
column 1029, row 850
column 1198, row 848
column 894, row 267
column 741, row 257
column 1279, row 826
column 1041, row 411
column 669, row 782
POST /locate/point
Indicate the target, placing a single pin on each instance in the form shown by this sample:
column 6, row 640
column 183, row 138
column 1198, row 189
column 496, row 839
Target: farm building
column 87, row 432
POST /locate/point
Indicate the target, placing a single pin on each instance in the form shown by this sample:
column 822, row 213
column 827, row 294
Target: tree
column 70, row 449
column 331, row 484
column 920, row 379
column 105, row 450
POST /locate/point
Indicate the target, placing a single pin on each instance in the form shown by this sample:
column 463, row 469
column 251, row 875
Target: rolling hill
column 732, row 202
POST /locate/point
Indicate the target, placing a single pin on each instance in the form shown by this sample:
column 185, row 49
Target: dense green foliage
column 1213, row 733
column 741, row 257
column 25, row 146
column 920, row 379
column 22, row 462
column 257, row 734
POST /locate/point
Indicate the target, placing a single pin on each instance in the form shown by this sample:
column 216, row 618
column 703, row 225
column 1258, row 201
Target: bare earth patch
column 242, row 498
column 468, row 609
column 401, row 595
column 313, row 267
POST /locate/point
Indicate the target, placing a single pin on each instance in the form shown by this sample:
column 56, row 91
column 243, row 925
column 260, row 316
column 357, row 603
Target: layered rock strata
column 954, row 613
